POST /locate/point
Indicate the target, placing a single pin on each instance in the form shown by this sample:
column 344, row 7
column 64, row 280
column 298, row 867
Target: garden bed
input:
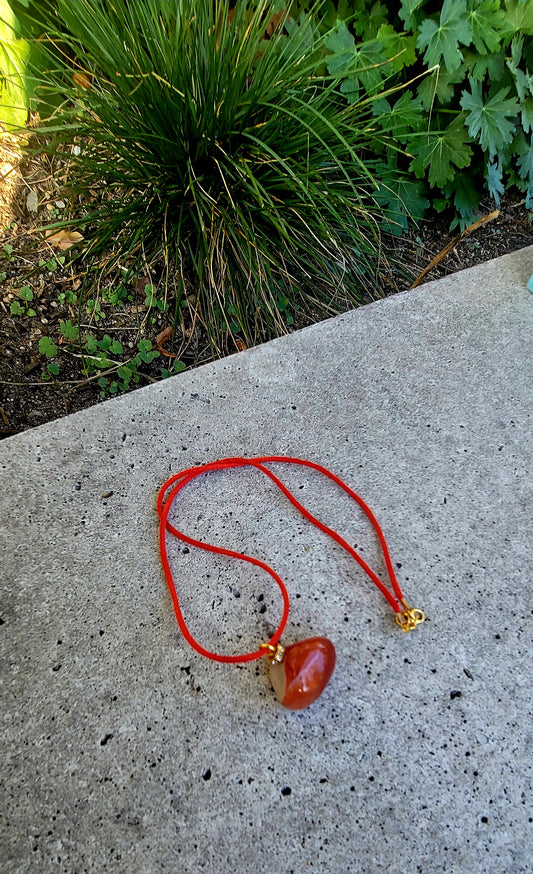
column 31, row 196
column 208, row 176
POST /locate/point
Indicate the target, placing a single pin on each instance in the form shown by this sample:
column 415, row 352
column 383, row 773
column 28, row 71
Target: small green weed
column 152, row 300
column 116, row 296
column 107, row 356
column 69, row 330
column 284, row 306
column 129, row 373
column 175, row 368
column 22, row 307
column 94, row 310
column 53, row 264
column 47, row 348
column 67, row 297
column 97, row 353
column 7, row 252
column 146, row 352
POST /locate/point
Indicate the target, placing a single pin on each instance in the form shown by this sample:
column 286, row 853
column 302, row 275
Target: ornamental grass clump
column 214, row 143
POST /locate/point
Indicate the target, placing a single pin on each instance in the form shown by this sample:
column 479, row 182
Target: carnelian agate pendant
column 299, row 673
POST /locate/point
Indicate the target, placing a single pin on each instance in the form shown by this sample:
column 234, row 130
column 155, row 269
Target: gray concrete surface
column 125, row 751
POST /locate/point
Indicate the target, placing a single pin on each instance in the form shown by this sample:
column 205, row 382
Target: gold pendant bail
column 276, row 653
column 409, row 618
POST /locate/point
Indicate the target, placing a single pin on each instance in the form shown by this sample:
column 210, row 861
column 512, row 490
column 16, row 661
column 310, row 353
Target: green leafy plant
column 69, row 330
column 217, row 143
column 67, row 297
column 120, row 369
column 470, row 110
column 97, row 352
column 175, row 367
column 53, row 264
column 129, row 373
column 152, row 300
column 94, row 309
column 47, row 348
column 21, row 307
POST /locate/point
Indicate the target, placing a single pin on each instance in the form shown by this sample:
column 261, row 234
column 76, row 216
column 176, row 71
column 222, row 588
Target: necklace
column 299, row 672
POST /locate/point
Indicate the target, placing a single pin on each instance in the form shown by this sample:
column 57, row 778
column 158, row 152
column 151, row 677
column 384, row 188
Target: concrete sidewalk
column 125, row 751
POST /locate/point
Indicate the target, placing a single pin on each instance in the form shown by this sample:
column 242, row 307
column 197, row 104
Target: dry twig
column 453, row 243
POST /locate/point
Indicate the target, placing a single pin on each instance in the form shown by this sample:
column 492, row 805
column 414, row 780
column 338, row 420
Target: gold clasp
column 409, row 618
column 276, row 653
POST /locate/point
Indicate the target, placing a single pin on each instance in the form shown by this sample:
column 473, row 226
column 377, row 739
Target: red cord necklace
column 299, row 672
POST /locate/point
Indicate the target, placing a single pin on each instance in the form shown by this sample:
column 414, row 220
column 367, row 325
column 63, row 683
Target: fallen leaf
column 164, row 335
column 160, row 339
column 64, row 239
column 241, row 345
column 274, row 22
column 140, row 284
column 82, row 80
column 32, row 201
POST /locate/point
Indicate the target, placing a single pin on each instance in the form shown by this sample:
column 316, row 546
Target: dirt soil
column 31, row 195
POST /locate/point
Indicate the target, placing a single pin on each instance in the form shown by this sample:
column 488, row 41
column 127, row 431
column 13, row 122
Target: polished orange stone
column 304, row 672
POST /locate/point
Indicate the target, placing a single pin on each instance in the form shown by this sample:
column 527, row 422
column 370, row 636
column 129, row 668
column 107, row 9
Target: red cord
column 174, row 485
